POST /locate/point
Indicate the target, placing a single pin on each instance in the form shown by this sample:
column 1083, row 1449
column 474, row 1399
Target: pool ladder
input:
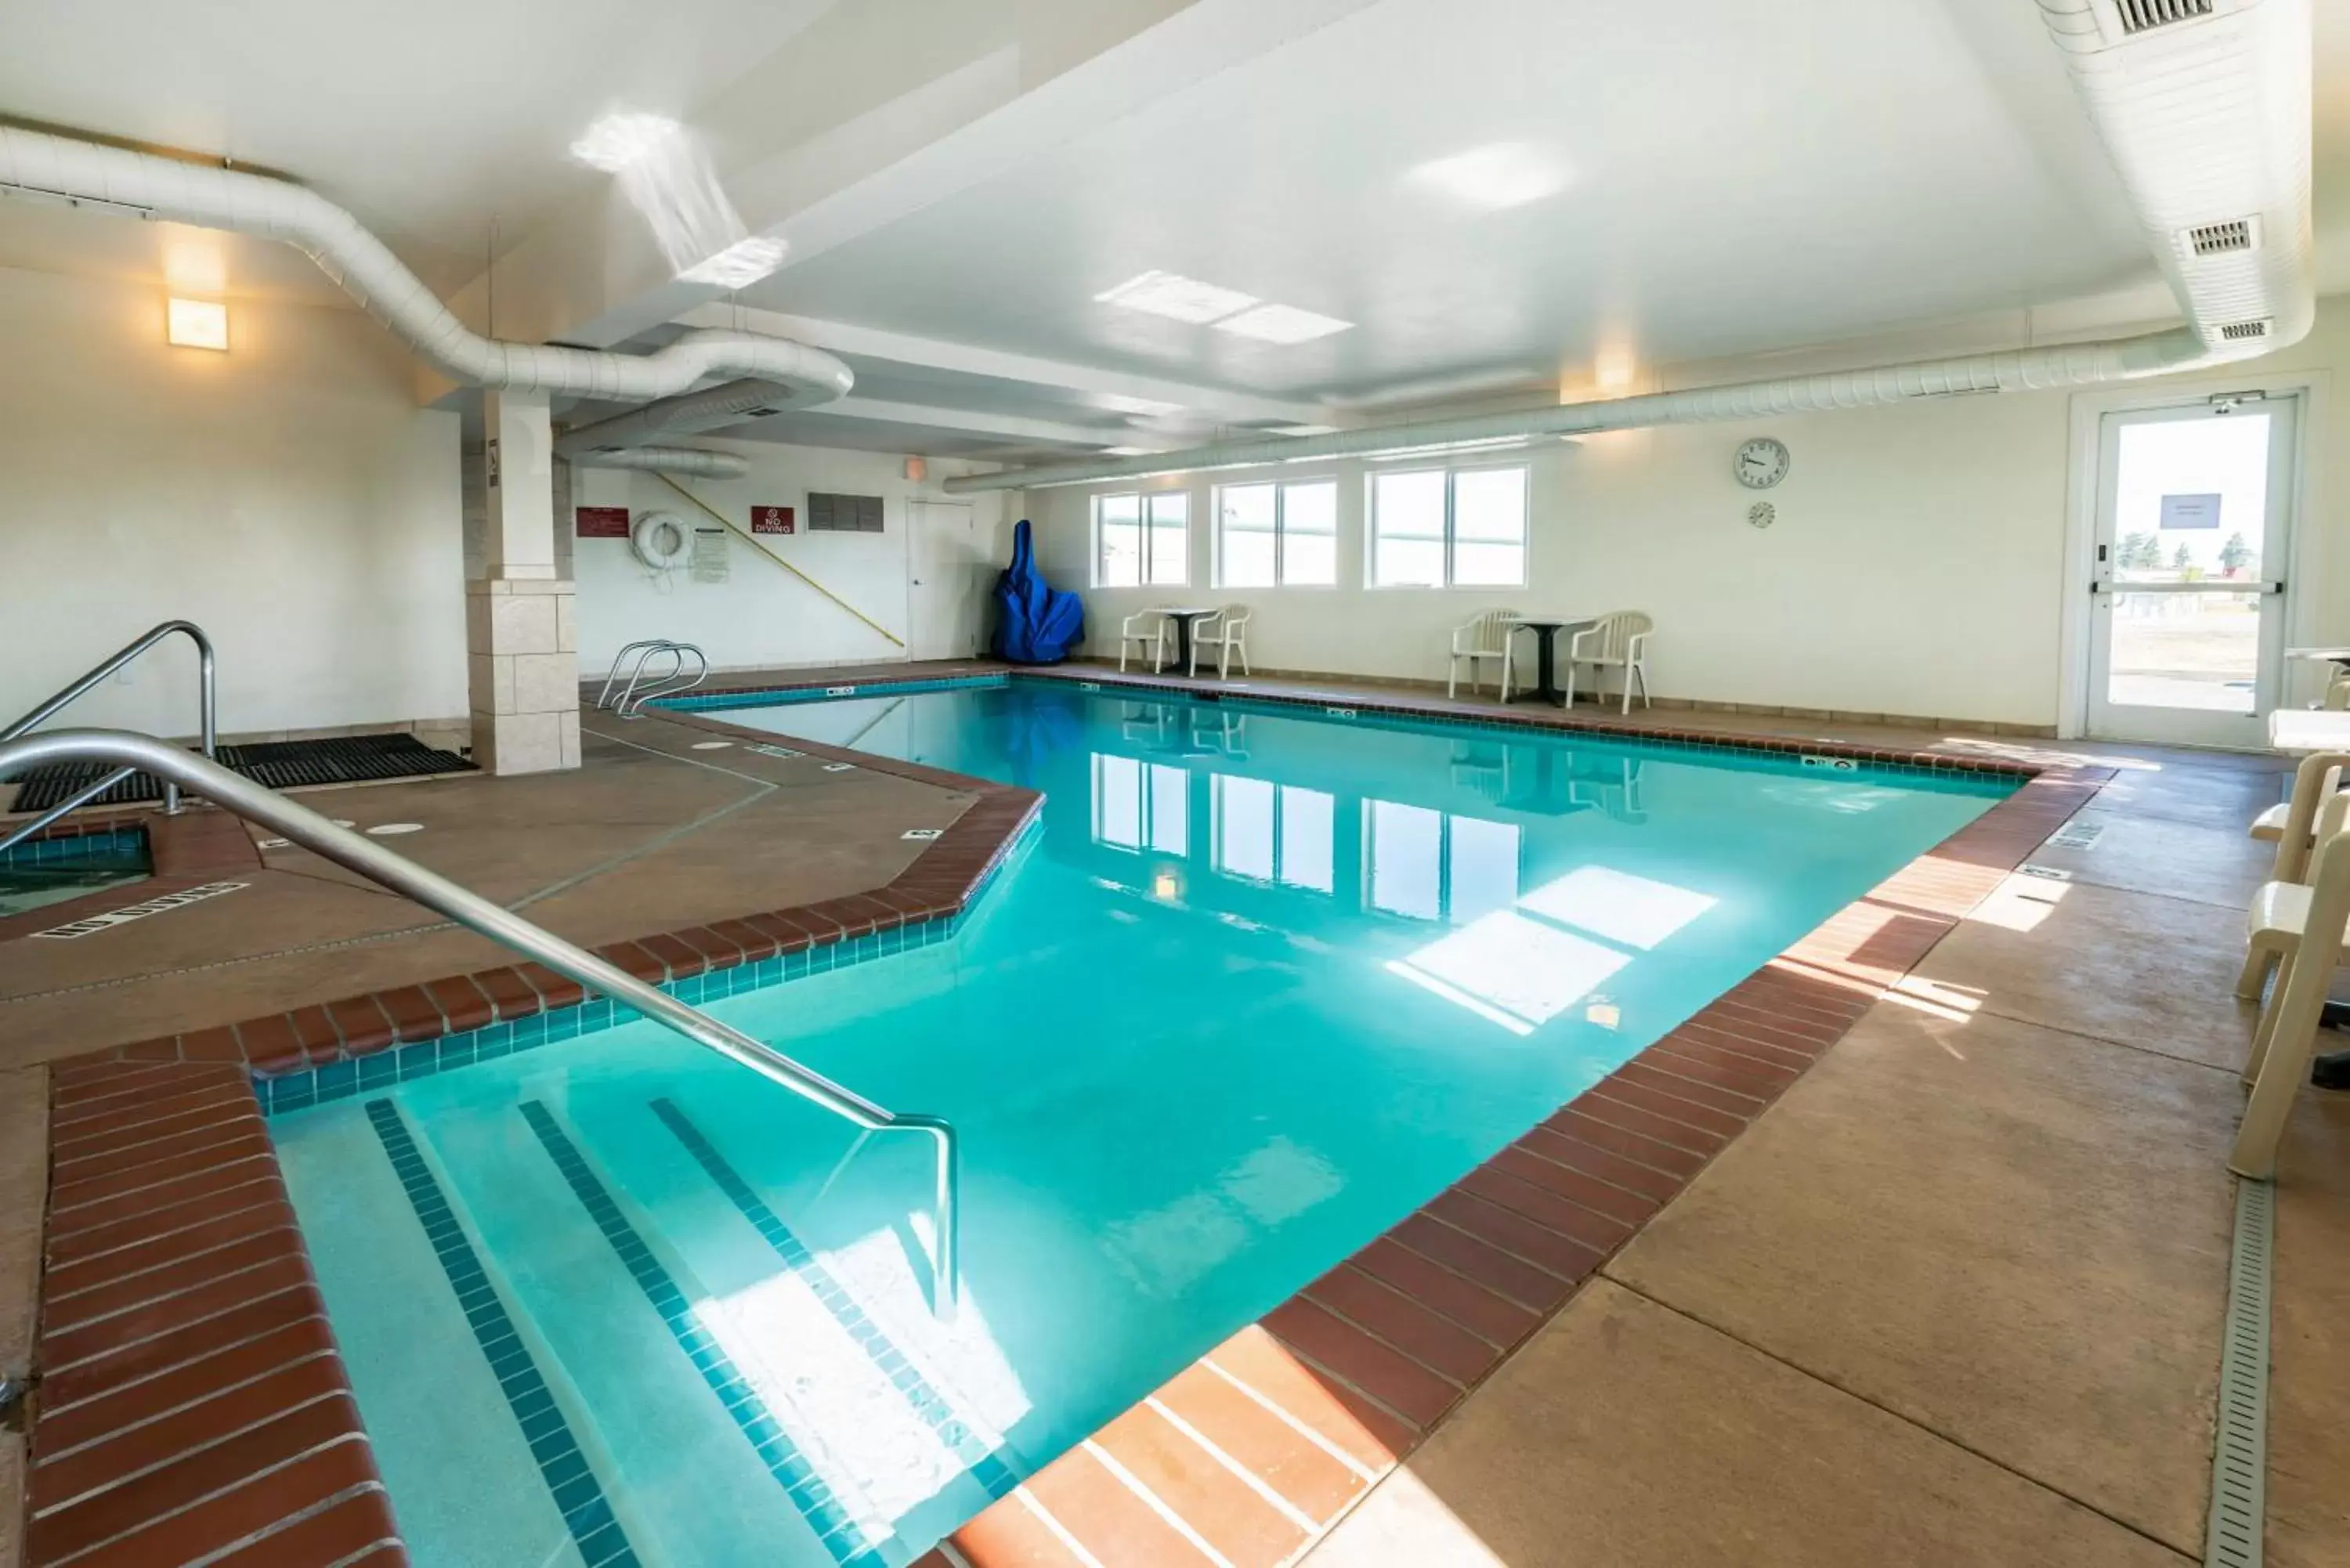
column 668, row 684
column 299, row 824
column 74, row 690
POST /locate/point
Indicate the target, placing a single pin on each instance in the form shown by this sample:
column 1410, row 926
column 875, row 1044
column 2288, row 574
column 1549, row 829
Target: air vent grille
column 2141, row 16
column 2244, row 331
column 2220, row 239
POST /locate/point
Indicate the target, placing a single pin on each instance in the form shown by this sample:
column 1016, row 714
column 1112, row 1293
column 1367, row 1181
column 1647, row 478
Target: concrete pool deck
column 1953, row 1296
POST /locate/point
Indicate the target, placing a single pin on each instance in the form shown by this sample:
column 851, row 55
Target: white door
column 2193, row 552
column 949, row 575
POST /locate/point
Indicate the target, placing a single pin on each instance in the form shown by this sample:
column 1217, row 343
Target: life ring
column 661, row 539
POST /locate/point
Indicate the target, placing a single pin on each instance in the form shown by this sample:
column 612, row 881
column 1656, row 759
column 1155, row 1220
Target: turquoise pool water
column 1263, row 984
column 51, row 871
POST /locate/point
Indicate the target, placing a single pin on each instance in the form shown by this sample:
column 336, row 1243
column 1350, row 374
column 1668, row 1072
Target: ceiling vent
column 2145, row 15
column 2223, row 239
column 2244, row 331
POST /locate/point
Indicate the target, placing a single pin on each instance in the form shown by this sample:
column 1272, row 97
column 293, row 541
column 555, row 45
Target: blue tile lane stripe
column 814, row 1500
column 576, row 1493
column 985, row 1466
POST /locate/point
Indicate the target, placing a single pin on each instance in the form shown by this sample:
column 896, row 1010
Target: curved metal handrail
column 207, row 710
column 604, row 698
column 632, row 701
column 255, row 802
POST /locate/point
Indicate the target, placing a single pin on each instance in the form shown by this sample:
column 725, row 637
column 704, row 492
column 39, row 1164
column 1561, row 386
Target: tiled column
column 518, row 618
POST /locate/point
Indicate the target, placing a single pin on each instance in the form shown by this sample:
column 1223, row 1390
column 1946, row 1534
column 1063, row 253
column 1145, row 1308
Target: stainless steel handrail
column 255, row 802
column 207, row 709
column 604, row 698
column 632, row 701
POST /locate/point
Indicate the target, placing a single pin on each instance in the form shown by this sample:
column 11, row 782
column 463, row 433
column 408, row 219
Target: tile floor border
column 176, row 1295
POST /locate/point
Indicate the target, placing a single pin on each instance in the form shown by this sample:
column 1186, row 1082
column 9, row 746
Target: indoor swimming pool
column 1259, row 983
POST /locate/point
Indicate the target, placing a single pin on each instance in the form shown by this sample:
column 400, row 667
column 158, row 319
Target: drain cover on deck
column 280, row 765
column 2077, row 835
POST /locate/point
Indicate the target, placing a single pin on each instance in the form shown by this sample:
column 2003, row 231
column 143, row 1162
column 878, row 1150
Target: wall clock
column 1760, row 463
column 1761, row 514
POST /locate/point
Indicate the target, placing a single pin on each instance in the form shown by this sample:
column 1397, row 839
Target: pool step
column 689, row 1453
column 636, row 1242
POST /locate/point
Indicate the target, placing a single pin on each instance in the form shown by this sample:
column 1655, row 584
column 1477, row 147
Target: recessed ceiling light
column 196, row 324
column 617, row 140
column 1281, row 324
column 739, row 265
column 1490, row 178
column 1177, row 297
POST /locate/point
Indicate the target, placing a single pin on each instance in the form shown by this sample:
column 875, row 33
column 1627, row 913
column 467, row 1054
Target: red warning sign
column 771, row 520
column 601, row 522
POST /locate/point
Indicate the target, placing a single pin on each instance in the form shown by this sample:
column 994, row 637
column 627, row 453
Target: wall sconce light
column 196, row 324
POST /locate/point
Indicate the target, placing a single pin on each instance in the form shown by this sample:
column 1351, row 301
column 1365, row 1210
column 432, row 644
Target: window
column 1142, row 539
column 1463, row 528
column 1278, row 535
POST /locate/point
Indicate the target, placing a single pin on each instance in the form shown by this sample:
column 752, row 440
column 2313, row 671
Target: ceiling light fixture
column 196, row 324
column 739, row 265
column 1177, row 297
column 619, row 141
column 1281, row 324
column 1491, row 178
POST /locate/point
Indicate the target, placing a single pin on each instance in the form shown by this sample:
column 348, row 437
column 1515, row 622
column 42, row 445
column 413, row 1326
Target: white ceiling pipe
column 2208, row 121
column 729, row 403
column 210, row 196
column 690, row 461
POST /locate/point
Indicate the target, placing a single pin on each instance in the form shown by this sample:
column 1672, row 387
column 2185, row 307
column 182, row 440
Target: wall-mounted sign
column 771, row 520
column 710, row 562
column 601, row 522
column 2190, row 512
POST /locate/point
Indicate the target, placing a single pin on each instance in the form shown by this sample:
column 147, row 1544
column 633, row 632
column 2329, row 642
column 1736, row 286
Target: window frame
column 1144, row 527
column 1451, row 472
column 1281, row 488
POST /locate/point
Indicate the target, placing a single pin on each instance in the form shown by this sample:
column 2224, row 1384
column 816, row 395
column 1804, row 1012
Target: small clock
column 1760, row 463
column 1761, row 514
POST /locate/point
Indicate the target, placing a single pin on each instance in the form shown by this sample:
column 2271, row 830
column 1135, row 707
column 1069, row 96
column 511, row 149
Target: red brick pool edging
column 182, row 1442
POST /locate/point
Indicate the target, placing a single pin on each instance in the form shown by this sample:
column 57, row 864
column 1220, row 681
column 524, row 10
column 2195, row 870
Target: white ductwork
column 2204, row 105
column 687, row 461
column 211, row 196
column 729, row 403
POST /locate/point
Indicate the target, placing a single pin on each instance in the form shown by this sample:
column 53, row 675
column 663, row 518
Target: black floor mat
column 280, row 765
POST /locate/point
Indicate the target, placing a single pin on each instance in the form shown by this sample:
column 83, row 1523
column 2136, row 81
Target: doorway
column 948, row 574
column 2188, row 588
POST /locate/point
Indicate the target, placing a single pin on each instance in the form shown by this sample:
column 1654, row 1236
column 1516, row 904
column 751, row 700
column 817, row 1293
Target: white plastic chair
column 2287, row 1035
column 1485, row 636
column 1227, row 632
column 1617, row 641
column 1147, row 629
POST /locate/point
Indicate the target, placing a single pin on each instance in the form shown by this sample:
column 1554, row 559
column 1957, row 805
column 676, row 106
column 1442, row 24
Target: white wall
column 287, row 495
column 762, row 617
column 1916, row 567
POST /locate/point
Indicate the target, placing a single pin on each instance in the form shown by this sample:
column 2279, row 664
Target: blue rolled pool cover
column 1034, row 624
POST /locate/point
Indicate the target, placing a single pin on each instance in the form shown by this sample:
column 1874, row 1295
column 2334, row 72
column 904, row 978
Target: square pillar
column 519, row 630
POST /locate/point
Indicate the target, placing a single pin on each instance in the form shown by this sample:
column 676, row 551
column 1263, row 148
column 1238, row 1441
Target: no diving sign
column 771, row 520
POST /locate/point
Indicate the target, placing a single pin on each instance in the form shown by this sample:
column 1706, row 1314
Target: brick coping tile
column 193, row 1397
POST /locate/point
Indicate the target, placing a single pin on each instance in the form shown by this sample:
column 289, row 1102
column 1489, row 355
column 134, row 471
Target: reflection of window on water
column 1271, row 833
column 1521, row 965
column 1142, row 807
column 1427, row 866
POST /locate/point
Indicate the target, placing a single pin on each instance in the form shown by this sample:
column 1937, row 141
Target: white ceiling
column 1737, row 178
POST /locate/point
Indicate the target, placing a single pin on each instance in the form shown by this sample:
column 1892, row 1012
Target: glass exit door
column 2194, row 526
